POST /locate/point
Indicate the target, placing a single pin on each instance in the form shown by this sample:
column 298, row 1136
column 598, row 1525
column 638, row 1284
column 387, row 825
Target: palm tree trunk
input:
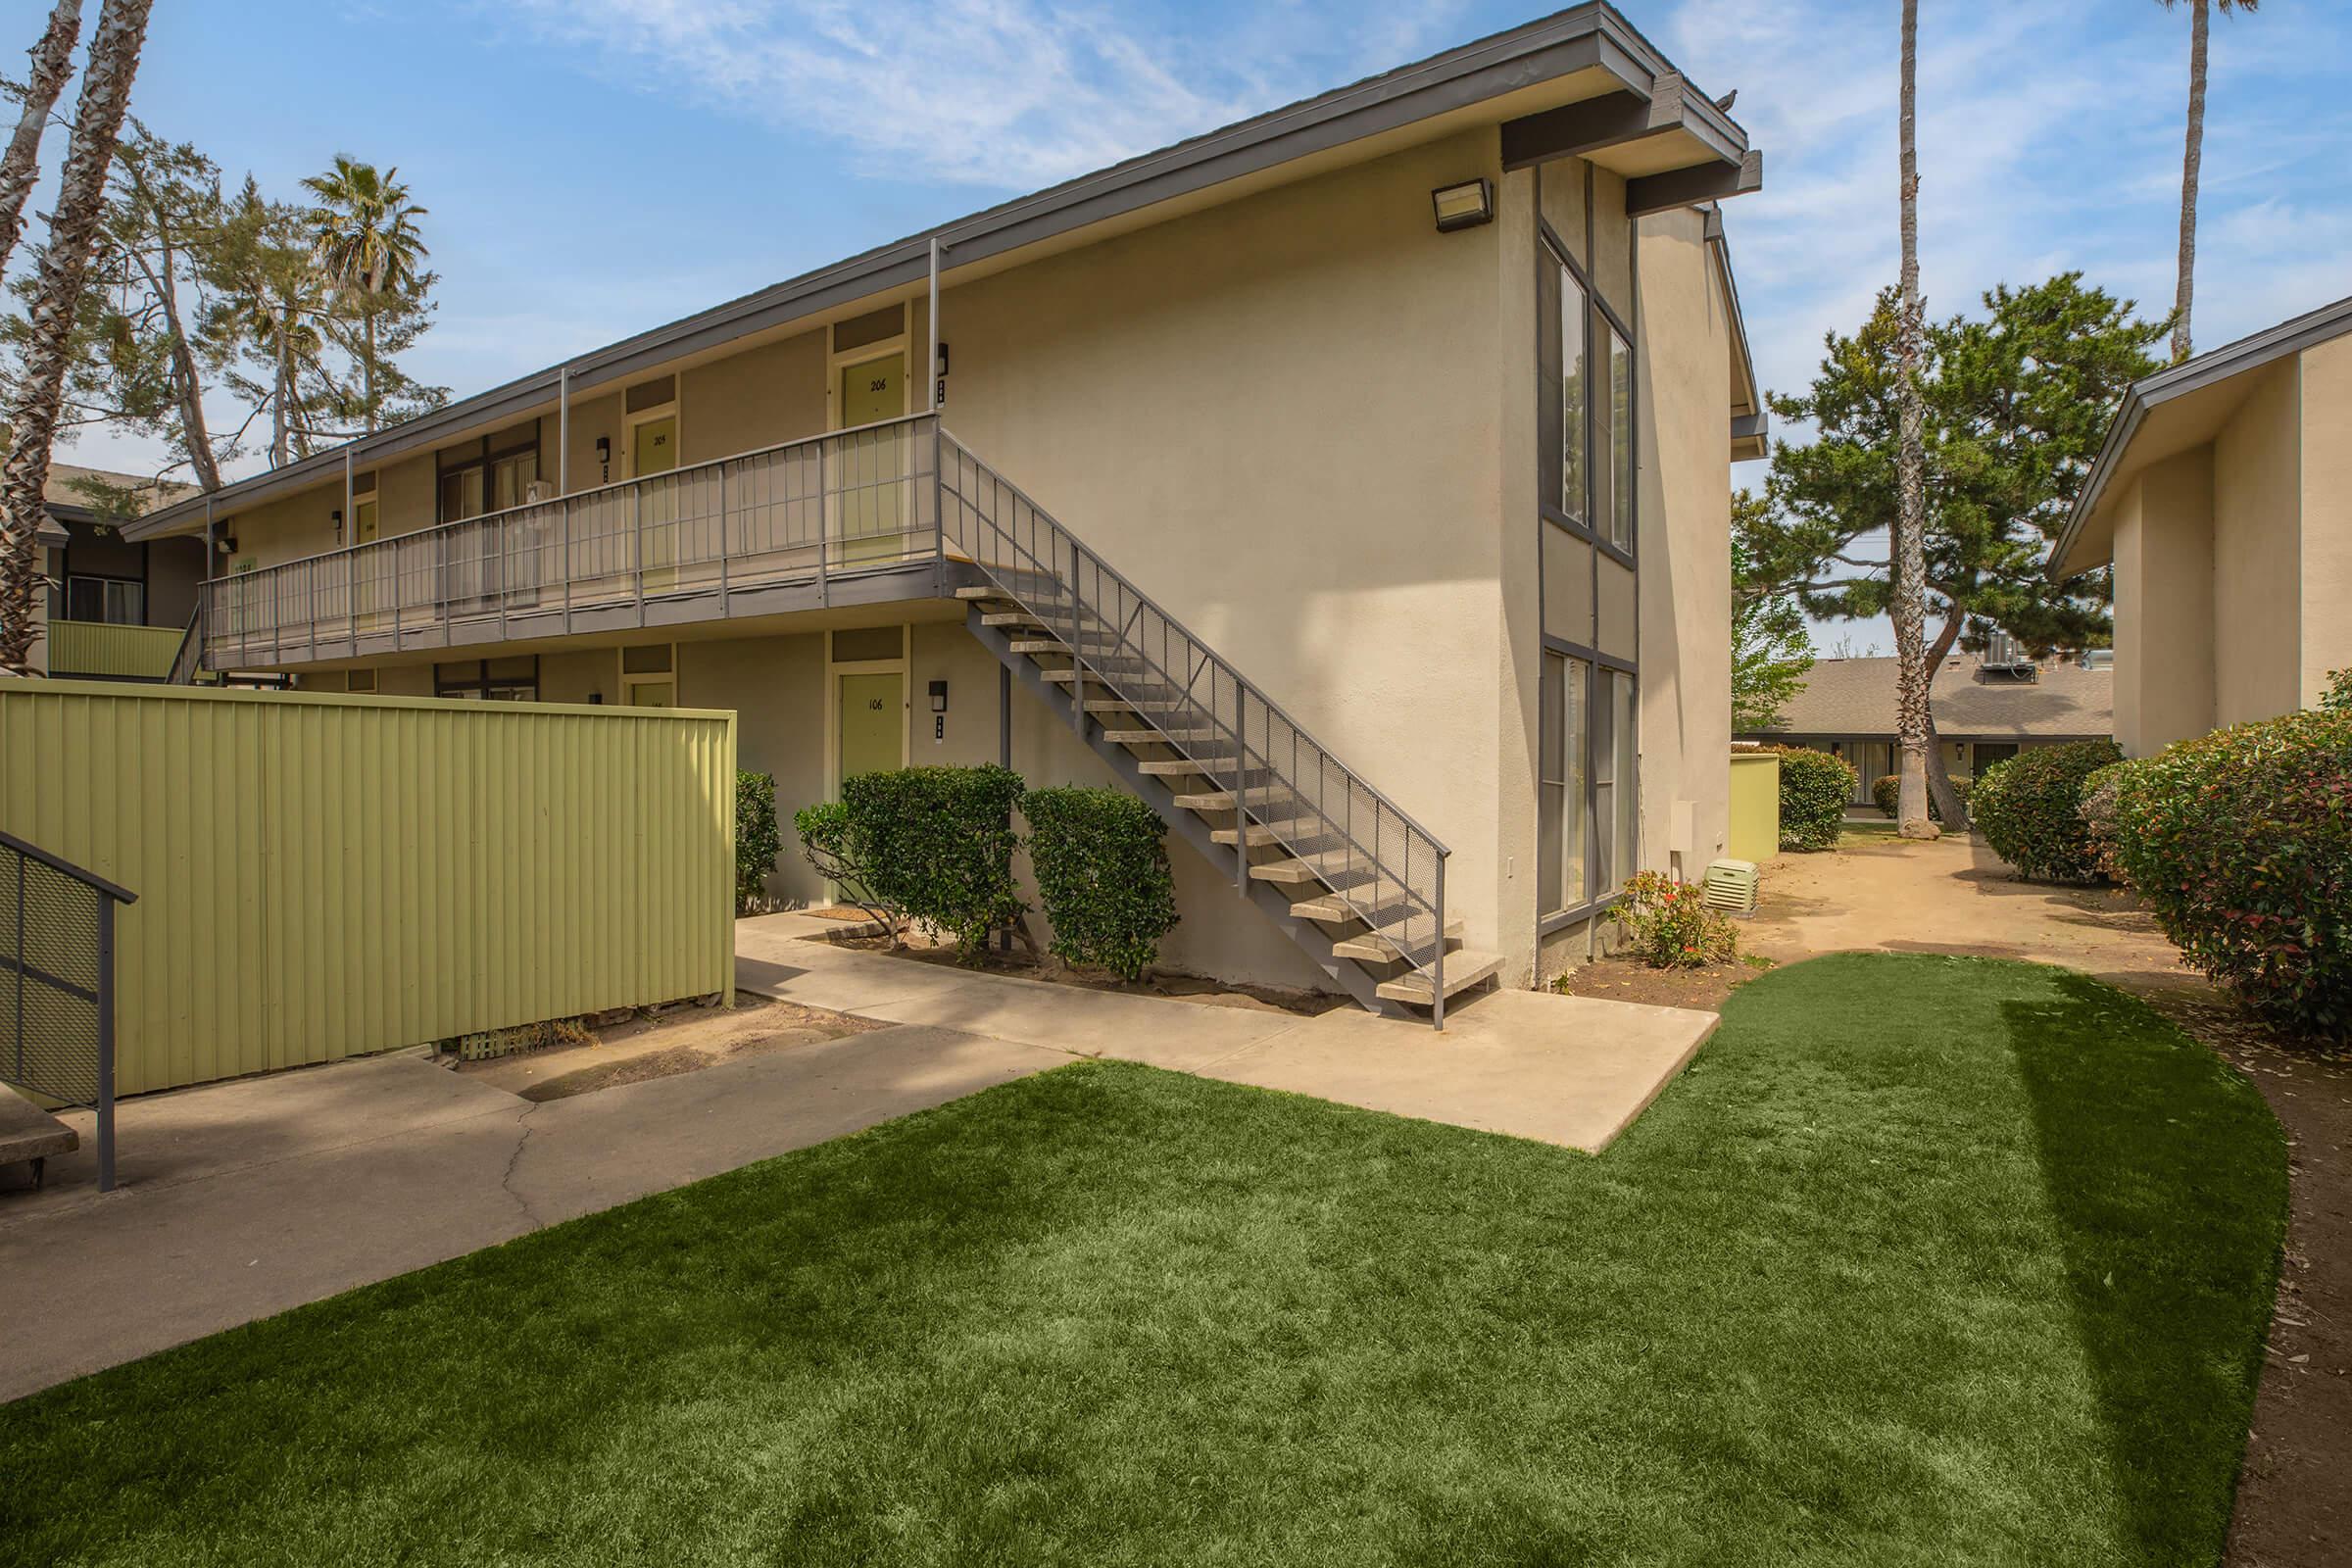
column 1909, row 544
column 114, row 61
column 2192, row 158
column 21, row 165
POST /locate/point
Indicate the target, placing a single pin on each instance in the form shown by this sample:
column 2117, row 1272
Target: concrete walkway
column 1572, row 1070
column 245, row 1199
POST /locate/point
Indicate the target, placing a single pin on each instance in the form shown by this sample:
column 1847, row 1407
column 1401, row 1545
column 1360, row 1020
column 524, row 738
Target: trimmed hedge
column 759, row 840
column 1887, row 791
column 1815, row 788
column 2029, row 810
column 1102, row 862
column 930, row 843
column 2240, row 842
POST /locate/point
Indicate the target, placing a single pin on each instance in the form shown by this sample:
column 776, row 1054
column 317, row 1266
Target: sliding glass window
column 1614, row 484
column 1562, row 798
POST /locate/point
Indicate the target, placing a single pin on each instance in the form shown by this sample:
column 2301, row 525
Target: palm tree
column 364, row 240
column 114, row 60
column 21, row 165
column 1908, row 547
column 2192, row 159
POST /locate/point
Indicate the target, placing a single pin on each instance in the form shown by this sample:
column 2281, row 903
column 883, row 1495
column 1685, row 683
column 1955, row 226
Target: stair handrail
column 188, row 659
column 1246, row 691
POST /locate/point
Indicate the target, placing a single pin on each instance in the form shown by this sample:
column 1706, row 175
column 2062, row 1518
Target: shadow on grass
column 2171, row 1229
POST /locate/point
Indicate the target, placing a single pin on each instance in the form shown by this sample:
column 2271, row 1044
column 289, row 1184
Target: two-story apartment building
column 1353, row 483
column 116, row 608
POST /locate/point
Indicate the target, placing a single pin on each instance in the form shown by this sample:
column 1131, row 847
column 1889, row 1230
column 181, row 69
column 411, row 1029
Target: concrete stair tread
column 1334, row 871
column 1161, row 737
column 1463, row 970
column 1386, row 945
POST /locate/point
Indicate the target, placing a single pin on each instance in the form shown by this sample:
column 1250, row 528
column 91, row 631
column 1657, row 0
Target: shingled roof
column 1856, row 697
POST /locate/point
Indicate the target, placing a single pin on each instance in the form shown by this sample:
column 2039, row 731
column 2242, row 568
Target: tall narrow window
column 1617, row 449
column 1562, row 801
column 1573, row 435
column 1615, row 797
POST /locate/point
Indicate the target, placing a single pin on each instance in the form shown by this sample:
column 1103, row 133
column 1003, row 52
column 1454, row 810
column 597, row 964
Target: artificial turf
column 1925, row 1260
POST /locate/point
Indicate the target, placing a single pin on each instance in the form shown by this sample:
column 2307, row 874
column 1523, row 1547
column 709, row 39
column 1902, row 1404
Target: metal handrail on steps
column 1384, row 867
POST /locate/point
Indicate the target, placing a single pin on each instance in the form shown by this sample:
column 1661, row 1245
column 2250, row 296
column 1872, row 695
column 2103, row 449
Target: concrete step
column 1177, row 768
column 1259, row 837
column 1462, row 971
column 1162, row 737
column 1012, row 617
column 1334, row 871
column 1385, row 945
column 1208, row 801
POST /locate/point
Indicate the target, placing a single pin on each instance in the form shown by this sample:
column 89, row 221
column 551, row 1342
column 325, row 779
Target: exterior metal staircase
column 1340, row 868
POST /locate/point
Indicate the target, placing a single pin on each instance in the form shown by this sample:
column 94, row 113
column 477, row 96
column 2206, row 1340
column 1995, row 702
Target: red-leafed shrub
column 2241, row 844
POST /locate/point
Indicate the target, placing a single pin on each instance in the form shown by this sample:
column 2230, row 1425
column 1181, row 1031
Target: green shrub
column 2338, row 697
column 2029, row 810
column 1815, row 788
column 1102, row 862
column 758, row 838
column 929, row 843
column 2240, row 842
column 1668, row 925
column 2102, row 789
column 1888, row 793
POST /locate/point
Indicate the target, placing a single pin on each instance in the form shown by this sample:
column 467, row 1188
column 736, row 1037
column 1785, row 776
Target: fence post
column 106, row 1039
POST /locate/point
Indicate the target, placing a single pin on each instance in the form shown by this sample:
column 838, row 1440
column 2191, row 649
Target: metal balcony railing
column 1384, row 867
column 57, row 984
column 806, row 512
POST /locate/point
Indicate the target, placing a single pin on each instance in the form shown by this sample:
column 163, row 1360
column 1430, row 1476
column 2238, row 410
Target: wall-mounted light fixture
column 229, row 543
column 603, row 456
column 336, row 517
column 1463, row 206
column 942, row 356
column 939, row 710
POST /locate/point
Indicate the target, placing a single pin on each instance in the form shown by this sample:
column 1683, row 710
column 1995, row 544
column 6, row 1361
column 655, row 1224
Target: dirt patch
column 921, row 949
column 1620, row 979
column 686, row 1040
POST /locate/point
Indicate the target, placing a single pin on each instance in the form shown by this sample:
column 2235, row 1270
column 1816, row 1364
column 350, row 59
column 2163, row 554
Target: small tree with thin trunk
column 114, row 60
column 2192, row 159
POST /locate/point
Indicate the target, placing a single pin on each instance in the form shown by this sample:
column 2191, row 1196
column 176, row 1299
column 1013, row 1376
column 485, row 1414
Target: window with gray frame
column 1587, row 783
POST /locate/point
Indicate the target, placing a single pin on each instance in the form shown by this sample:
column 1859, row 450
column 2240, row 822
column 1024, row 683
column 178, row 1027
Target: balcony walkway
column 845, row 519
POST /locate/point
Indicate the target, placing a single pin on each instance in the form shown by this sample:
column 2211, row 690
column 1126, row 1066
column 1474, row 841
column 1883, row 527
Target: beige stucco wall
column 2164, row 605
column 1686, row 581
column 1282, row 418
column 2327, row 514
column 2257, row 598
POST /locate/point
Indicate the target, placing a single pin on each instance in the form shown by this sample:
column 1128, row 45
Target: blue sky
column 597, row 167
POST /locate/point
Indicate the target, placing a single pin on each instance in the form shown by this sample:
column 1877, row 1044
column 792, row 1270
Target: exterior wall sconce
column 939, row 710
column 603, row 456
column 1463, row 206
column 336, row 517
column 229, row 543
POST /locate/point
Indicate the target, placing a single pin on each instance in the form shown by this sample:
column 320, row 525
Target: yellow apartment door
column 873, row 729
column 367, row 568
column 653, row 694
column 654, row 449
column 873, row 466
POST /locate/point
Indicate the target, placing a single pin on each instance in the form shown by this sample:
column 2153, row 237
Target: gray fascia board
column 1577, row 39
column 2193, row 374
column 1688, row 188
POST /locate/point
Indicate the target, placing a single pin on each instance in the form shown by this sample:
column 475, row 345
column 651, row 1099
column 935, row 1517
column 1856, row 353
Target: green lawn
column 1926, row 1260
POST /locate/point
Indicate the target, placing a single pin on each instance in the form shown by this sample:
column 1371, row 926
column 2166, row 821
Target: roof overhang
column 1585, row 53
column 2175, row 411
column 1751, row 422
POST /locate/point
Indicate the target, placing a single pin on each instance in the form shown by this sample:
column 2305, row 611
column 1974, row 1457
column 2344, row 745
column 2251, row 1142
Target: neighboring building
column 1984, row 713
column 1414, row 402
column 2222, row 501
column 117, row 608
